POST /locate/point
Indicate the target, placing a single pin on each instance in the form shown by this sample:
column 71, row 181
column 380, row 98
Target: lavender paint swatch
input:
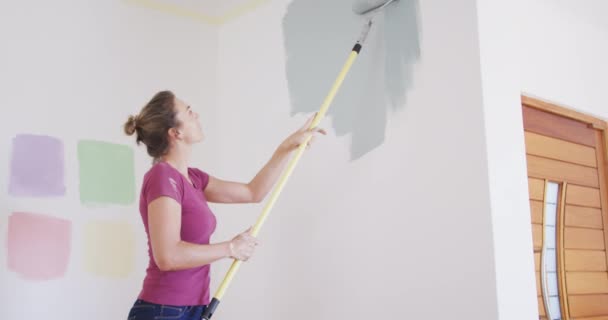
column 36, row 167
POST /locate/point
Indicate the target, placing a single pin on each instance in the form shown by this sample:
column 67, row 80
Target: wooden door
column 567, row 175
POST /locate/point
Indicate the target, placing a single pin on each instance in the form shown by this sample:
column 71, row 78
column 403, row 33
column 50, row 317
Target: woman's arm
column 171, row 253
column 256, row 190
column 222, row 191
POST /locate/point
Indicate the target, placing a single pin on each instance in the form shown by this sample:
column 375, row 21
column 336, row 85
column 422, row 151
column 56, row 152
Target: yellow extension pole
column 287, row 173
column 285, row 176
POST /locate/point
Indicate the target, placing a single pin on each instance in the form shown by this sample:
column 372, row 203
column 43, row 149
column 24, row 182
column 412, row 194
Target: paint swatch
column 106, row 173
column 109, row 249
column 38, row 245
column 36, row 167
column 318, row 36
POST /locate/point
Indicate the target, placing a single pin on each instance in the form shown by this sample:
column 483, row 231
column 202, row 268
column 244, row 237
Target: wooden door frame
column 602, row 136
column 564, row 111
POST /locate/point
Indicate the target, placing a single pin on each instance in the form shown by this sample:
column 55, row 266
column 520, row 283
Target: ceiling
column 593, row 12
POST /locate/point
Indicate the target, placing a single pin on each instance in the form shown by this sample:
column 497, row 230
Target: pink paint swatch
column 38, row 245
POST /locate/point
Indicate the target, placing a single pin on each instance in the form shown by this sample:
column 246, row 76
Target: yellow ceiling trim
column 179, row 11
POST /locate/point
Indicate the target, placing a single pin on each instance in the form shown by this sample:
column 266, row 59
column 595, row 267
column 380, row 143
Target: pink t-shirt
column 182, row 287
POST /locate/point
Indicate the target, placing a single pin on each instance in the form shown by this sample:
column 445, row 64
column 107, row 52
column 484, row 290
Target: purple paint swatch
column 37, row 168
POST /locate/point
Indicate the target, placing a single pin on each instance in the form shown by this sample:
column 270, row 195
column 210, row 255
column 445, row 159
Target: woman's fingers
column 243, row 245
column 308, row 122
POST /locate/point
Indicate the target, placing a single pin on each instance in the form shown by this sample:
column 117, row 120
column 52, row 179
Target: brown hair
column 153, row 123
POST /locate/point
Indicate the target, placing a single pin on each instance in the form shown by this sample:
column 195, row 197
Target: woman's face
column 189, row 127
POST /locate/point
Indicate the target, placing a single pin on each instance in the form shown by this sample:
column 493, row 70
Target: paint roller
column 364, row 8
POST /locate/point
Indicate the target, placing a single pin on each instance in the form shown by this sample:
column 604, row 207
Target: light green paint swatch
column 109, row 249
column 106, row 173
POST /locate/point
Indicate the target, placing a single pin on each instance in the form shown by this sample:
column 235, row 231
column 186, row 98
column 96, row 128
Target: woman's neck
column 179, row 158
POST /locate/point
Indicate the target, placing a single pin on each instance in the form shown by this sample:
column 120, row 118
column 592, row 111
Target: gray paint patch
column 318, row 36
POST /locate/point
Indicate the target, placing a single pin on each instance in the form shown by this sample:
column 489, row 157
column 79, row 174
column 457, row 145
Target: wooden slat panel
column 537, row 236
column 562, row 171
column 602, row 159
column 594, row 318
column 583, row 217
column 583, row 196
column 558, row 127
column 581, row 238
column 536, row 210
column 539, row 293
column 588, row 305
column 537, row 261
column 536, row 188
column 557, row 149
column 587, row 282
column 541, row 307
column 585, row 260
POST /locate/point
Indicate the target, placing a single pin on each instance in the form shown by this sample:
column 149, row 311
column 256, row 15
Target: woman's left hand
column 297, row 138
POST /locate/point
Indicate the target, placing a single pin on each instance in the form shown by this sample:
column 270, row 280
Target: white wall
column 512, row 235
column 75, row 70
column 564, row 46
column 403, row 232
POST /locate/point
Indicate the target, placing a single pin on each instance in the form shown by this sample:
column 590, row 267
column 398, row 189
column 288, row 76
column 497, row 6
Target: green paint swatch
column 106, row 173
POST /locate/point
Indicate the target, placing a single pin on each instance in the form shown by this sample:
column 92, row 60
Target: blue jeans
column 143, row 310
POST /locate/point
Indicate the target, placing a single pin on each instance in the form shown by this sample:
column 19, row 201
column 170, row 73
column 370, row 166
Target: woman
column 175, row 214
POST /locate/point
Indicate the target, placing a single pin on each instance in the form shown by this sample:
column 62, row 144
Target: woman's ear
column 174, row 133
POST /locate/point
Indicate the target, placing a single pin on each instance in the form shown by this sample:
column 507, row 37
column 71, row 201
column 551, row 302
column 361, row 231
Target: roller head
column 364, row 7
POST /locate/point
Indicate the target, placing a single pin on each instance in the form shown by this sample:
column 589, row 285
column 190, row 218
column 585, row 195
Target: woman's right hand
column 242, row 246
